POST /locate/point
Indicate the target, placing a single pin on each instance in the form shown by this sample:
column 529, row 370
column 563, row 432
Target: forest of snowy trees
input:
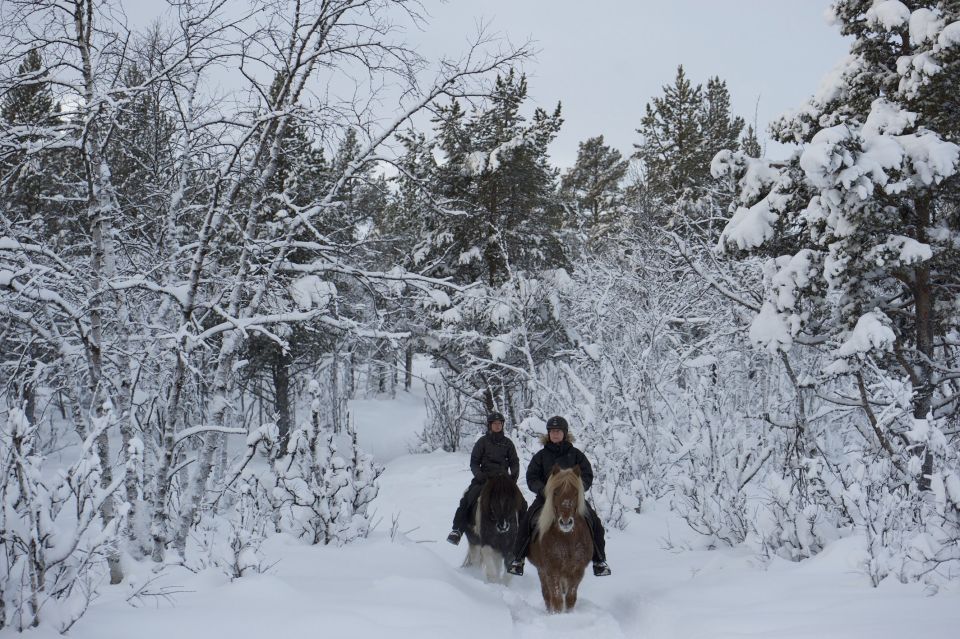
column 197, row 275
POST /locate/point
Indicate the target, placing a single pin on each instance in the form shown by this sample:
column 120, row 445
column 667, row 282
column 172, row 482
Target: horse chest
column 565, row 553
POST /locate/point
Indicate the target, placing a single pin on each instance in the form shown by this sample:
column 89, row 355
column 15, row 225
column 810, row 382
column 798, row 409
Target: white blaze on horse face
column 565, row 515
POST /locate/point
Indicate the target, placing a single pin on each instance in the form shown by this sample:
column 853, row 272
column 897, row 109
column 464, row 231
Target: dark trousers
column 467, row 502
column 530, row 517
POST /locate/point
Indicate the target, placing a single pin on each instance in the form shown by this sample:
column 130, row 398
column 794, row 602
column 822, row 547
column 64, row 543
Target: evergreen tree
column 861, row 227
column 479, row 205
column 28, row 112
column 402, row 226
column 681, row 132
column 721, row 129
column 749, row 143
column 30, row 175
column 497, row 189
column 141, row 157
column 672, row 144
column 29, row 101
column 593, row 187
column 361, row 198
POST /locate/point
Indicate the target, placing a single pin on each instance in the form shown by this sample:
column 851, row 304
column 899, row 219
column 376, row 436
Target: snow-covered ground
column 406, row 581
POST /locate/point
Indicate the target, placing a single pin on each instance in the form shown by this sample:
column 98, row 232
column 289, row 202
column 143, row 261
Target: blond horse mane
column 548, row 513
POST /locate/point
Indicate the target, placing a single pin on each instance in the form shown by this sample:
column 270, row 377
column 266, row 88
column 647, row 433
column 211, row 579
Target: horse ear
column 576, row 470
column 555, row 469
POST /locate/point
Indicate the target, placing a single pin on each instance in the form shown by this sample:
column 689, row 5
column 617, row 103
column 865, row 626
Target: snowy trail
column 665, row 594
column 422, row 488
column 411, row 584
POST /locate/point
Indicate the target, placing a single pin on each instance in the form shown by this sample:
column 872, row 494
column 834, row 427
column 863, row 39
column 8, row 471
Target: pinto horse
column 562, row 544
column 493, row 531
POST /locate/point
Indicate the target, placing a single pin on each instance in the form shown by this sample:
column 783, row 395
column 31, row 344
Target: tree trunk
column 281, row 395
column 923, row 394
column 219, row 408
column 394, row 373
column 351, row 373
column 160, row 518
column 28, row 394
column 924, row 318
column 335, row 392
column 408, row 368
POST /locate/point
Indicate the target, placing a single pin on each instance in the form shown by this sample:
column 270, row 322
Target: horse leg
column 490, row 560
column 570, row 599
column 550, row 588
column 473, row 557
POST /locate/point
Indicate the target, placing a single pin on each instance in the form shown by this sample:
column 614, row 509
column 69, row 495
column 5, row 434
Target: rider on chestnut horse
column 558, row 449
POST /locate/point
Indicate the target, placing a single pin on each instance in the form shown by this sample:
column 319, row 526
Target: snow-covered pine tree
column 593, row 189
column 490, row 217
column 860, row 229
column 672, row 139
column 499, row 208
column 27, row 174
column 680, row 133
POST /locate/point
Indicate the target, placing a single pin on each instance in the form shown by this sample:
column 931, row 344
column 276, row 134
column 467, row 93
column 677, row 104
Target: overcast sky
column 605, row 59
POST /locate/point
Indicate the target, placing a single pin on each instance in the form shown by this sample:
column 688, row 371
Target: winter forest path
column 422, row 489
column 656, row 592
column 406, row 581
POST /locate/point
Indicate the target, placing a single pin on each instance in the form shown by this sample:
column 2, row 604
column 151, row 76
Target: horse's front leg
column 550, row 588
column 491, row 560
column 473, row 557
column 570, row 598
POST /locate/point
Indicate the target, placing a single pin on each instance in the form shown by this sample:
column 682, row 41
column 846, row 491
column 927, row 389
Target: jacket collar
column 560, row 448
column 496, row 437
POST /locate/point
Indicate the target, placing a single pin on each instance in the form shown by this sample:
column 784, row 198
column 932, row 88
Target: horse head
column 500, row 503
column 564, row 499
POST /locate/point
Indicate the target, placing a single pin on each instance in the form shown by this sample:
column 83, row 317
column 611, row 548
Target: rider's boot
column 516, row 567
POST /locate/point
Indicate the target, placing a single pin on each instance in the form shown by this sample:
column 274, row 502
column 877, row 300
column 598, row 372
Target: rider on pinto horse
column 558, row 449
column 493, row 454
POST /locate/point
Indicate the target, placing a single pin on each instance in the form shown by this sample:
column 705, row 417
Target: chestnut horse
column 562, row 544
column 493, row 531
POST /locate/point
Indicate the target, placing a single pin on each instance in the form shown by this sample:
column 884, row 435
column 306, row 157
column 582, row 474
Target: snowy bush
column 53, row 538
column 443, row 428
column 249, row 525
column 312, row 492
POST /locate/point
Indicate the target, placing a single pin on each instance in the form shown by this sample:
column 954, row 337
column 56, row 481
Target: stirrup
column 600, row 569
column 454, row 537
column 516, row 567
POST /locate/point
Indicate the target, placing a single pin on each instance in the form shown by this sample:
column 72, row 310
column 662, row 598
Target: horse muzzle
column 565, row 524
column 503, row 527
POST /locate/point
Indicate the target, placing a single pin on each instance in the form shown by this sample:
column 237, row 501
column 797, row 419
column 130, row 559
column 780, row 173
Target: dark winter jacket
column 494, row 454
column 564, row 454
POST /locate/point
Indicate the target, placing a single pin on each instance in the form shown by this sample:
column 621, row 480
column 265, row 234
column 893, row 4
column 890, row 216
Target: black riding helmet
column 557, row 423
column 495, row 417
